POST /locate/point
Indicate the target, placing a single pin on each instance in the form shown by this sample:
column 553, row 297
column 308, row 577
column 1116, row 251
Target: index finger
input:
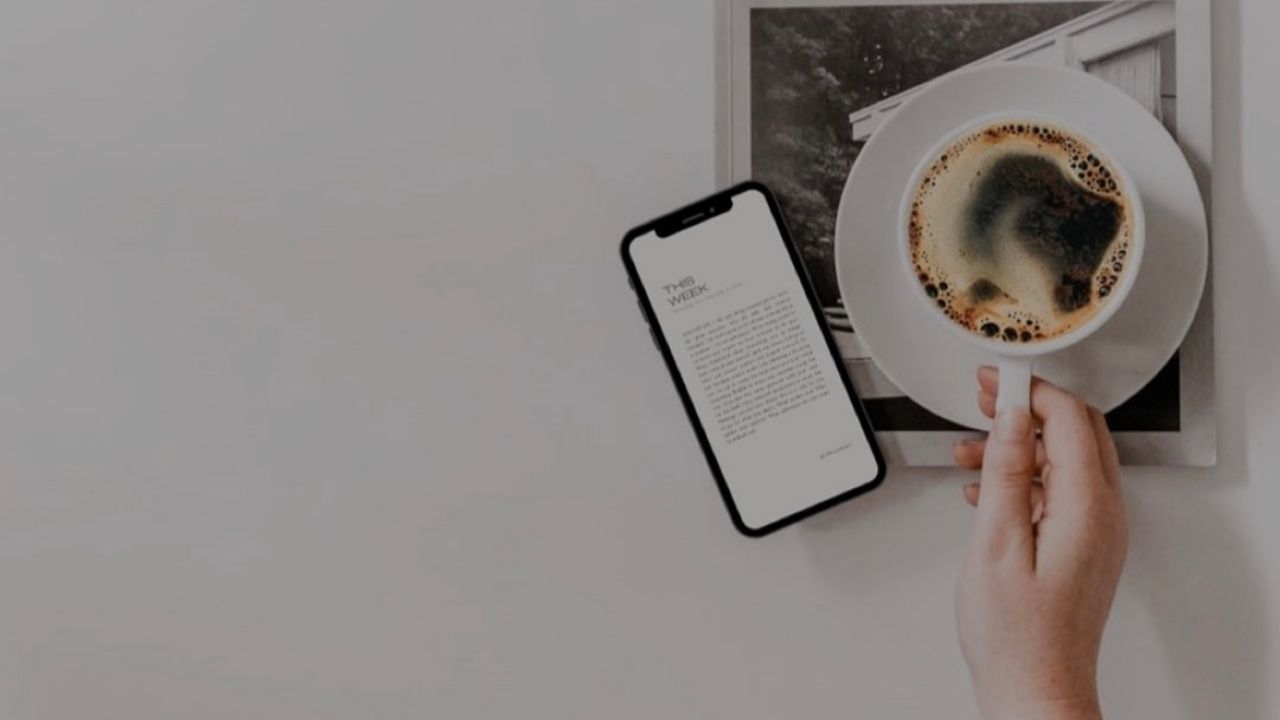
column 1070, row 440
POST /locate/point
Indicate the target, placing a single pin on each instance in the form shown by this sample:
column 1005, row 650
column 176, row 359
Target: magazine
column 802, row 86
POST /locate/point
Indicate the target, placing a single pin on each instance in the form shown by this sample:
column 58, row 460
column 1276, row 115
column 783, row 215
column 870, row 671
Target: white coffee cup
column 1016, row 360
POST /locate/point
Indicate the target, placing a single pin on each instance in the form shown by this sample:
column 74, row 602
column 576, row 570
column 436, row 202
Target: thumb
column 1008, row 471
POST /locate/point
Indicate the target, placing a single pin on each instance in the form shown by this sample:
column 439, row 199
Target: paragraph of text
column 755, row 364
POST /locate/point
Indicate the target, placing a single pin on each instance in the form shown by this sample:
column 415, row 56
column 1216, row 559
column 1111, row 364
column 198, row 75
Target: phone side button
column 654, row 337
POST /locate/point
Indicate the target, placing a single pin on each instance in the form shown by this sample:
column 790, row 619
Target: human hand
column 1044, row 558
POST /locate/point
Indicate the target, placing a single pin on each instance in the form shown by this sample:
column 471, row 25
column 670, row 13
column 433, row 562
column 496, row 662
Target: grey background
column 324, row 395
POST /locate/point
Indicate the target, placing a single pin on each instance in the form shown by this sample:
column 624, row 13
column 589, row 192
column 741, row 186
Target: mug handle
column 1015, row 383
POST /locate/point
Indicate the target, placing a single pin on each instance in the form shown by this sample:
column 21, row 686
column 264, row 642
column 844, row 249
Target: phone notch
column 693, row 215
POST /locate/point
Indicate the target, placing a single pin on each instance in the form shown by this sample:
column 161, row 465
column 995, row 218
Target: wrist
column 1058, row 691
column 1066, row 709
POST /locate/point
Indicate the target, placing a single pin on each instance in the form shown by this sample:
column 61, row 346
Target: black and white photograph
column 812, row 82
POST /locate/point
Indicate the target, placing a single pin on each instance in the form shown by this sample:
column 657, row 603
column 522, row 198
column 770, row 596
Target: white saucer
column 935, row 367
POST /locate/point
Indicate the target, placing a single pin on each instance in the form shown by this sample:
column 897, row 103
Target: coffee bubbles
column 1020, row 231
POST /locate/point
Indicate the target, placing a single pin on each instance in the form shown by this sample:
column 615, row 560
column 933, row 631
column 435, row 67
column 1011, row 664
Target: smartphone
column 732, row 311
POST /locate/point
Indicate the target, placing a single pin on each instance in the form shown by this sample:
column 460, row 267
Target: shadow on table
column 1197, row 577
column 1191, row 562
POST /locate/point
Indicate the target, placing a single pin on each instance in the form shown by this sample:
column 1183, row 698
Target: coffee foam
column 1020, row 231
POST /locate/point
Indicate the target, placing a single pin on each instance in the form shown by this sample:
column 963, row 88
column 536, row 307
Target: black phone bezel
column 683, row 219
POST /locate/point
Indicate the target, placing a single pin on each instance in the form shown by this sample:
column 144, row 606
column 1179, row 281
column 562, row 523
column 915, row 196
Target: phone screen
column 742, row 331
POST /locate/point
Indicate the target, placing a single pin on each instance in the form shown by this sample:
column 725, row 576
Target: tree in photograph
column 812, row 67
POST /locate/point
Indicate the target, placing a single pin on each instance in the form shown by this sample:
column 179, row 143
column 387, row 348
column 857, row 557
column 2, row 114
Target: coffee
column 1020, row 231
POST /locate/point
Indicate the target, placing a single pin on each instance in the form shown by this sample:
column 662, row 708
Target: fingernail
column 1013, row 425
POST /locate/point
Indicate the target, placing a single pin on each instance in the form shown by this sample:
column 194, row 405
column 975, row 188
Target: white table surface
column 325, row 397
